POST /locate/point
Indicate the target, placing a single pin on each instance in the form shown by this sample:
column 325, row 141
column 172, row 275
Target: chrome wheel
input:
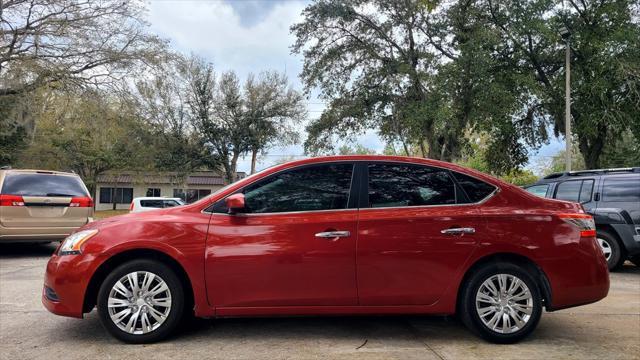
column 504, row 303
column 606, row 248
column 139, row 302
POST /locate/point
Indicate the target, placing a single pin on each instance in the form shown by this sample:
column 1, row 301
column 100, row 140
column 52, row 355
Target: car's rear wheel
column 611, row 249
column 501, row 302
column 141, row 301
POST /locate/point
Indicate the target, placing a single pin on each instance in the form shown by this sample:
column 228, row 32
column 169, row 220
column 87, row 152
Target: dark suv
column 612, row 196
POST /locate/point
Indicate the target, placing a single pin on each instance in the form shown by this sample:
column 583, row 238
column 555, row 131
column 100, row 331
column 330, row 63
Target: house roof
column 137, row 177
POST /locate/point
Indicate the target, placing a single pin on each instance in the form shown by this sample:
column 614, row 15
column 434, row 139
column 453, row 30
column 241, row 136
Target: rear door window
column 34, row 184
column 476, row 190
column 575, row 190
column 394, row 185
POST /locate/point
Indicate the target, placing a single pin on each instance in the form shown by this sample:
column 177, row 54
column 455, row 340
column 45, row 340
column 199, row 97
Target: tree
column 423, row 73
column 87, row 133
column 605, row 44
column 358, row 149
column 233, row 121
column 161, row 101
column 273, row 109
column 71, row 42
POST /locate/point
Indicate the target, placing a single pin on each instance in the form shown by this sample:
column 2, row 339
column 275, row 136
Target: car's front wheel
column 501, row 302
column 141, row 301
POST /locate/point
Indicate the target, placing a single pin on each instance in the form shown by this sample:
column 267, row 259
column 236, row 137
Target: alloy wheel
column 139, row 302
column 606, row 248
column 504, row 303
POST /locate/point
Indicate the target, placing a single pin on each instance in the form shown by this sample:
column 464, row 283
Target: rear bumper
column 579, row 279
column 35, row 233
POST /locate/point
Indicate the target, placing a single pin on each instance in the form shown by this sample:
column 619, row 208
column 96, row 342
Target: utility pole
column 566, row 35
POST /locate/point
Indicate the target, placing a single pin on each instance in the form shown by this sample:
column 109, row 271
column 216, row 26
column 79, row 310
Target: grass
column 103, row 214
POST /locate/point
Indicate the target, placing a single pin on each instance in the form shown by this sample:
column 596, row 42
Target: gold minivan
column 39, row 205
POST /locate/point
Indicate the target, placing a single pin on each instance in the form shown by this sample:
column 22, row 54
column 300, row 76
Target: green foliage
column 605, row 71
column 520, row 177
column 86, row 133
column 358, row 149
column 422, row 73
column 426, row 73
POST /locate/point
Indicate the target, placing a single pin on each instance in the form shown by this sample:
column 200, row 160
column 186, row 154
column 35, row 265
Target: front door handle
column 456, row 231
column 332, row 234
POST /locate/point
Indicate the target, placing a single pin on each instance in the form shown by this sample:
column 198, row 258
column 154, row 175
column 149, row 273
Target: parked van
column 40, row 205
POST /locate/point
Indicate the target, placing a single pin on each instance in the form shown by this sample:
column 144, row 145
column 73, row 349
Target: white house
column 121, row 187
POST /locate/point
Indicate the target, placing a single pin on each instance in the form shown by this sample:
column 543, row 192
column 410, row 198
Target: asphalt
column 609, row 329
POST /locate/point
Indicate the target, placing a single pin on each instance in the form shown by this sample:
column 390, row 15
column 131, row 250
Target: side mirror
column 235, row 203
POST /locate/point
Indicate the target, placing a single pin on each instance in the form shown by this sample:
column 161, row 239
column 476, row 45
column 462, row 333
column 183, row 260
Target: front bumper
column 66, row 278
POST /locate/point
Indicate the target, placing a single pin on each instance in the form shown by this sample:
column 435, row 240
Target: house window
column 191, row 195
column 154, row 192
column 109, row 195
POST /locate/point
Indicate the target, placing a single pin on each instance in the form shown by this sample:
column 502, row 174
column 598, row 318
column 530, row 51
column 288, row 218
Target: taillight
column 131, row 206
column 584, row 222
column 11, row 200
column 84, row 201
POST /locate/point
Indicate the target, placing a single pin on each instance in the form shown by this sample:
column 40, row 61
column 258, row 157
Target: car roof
column 35, row 171
column 381, row 158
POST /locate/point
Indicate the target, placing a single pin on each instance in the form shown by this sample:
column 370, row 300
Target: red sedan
column 336, row 235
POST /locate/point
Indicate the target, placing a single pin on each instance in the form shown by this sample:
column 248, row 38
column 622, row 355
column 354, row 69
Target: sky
column 250, row 36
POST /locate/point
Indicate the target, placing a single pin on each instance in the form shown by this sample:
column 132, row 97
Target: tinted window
column 120, row 195
column 42, row 185
column 321, row 187
column 575, row 190
column 475, row 189
column 539, row 190
column 155, row 192
column 621, row 189
column 170, row 203
column 151, row 203
column 409, row 185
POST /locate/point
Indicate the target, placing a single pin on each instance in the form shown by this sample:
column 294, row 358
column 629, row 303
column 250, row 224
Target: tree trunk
column 591, row 149
column 254, row 156
column 231, row 168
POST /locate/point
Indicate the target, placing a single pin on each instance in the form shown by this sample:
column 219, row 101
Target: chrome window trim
column 485, row 199
column 353, row 172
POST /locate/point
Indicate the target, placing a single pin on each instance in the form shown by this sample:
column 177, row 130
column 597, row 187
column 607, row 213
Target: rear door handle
column 332, row 234
column 456, row 231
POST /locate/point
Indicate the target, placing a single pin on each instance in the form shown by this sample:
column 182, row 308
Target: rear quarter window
column 621, row 189
column 34, row 184
column 476, row 190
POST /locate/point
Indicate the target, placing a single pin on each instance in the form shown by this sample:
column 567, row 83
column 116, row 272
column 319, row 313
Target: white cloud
column 218, row 32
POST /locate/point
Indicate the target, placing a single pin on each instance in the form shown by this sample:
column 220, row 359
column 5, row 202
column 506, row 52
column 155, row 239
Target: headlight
column 71, row 245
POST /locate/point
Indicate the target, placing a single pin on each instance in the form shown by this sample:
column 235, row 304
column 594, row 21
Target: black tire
column 467, row 303
column 175, row 289
column 616, row 259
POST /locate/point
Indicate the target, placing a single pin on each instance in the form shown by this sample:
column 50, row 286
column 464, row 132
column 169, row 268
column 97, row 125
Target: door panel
column 276, row 259
column 405, row 259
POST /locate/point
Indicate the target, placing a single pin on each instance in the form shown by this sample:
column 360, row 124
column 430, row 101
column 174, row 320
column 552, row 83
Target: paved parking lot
column 608, row 329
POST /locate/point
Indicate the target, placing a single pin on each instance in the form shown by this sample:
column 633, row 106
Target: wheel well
column 101, row 273
column 609, row 230
column 523, row 261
